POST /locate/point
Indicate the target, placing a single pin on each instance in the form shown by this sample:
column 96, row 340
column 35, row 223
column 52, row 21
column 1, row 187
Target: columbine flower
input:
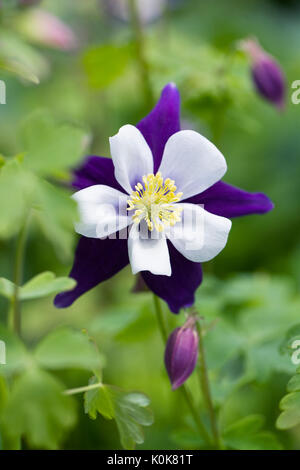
column 182, row 353
column 179, row 171
column 47, row 29
column 266, row 72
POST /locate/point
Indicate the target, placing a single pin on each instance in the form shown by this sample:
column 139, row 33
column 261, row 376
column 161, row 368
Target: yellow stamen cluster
column 154, row 201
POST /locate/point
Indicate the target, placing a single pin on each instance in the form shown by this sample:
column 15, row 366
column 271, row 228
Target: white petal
column 193, row 162
column 147, row 254
column 102, row 210
column 131, row 155
column 200, row 236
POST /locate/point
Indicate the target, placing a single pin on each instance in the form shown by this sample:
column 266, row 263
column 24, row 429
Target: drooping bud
column 182, row 353
column 267, row 75
column 47, row 29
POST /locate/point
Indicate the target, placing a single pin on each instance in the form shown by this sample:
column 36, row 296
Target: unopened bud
column 267, row 75
column 182, row 353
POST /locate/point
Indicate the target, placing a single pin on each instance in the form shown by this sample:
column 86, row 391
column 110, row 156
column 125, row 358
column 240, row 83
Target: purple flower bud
column 267, row 75
column 182, row 353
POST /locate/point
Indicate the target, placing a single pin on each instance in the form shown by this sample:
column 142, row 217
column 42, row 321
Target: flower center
column 153, row 201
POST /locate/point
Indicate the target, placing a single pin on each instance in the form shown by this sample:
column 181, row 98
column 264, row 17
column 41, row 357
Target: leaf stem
column 183, row 389
column 86, row 388
column 15, row 315
column 140, row 52
column 205, row 387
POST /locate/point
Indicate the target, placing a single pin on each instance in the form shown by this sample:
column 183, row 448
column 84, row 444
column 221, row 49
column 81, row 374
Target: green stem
column 183, row 389
column 74, row 391
column 160, row 318
column 15, row 311
column 205, row 387
column 217, row 126
column 140, row 53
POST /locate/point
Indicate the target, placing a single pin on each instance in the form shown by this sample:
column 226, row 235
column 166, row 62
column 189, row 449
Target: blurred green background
column 250, row 296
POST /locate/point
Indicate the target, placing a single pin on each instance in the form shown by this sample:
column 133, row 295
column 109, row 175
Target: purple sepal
column 162, row 122
column 230, row 201
column 181, row 353
column 178, row 290
column 95, row 170
column 95, row 261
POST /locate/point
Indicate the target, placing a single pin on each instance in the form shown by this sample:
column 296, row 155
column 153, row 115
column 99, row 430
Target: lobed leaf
column 130, row 411
column 42, row 285
column 55, row 214
column 105, row 63
column 67, row 348
column 246, row 434
column 45, row 284
column 51, row 147
column 17, row 356
column 38, row 411
column 99, row 400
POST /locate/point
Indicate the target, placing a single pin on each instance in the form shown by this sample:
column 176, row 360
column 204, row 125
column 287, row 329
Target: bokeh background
column 250, row 295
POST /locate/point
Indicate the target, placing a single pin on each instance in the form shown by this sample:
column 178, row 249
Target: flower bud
column 182, row 353
column 267, row 75
column 45, row 28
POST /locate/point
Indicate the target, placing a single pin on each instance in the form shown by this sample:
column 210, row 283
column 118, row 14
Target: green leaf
column 292, row 335
column 3, row 393
column 38, row 410
column 104, row 64
column 14, row 204
column 6, row 288
column 67, row 348
column 21, row 59
column 288, row 418
column 45, row 284
column 188, row 439
column 99, row 400
column 20, row 69
column 294, row 384
column 55, row 214
column 131, row 413
column 6, row 442
column 51, row 147
column 290, row 406
column 130, row 410
column 42, row 285
column 246, row 434
column 17, row 357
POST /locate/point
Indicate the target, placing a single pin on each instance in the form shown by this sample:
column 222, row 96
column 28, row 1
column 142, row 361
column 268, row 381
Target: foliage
column 130, row 411
column 61, row 106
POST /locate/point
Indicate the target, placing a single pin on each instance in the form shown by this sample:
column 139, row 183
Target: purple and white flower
column 159, row 181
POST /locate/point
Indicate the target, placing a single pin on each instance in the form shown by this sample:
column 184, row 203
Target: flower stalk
column 205, row 388
column 140, row 52
column 183, row 389
column 14, row 318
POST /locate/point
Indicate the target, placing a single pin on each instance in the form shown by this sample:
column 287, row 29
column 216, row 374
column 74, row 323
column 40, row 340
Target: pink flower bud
column 267, row 75
column 182, row 353
column 44, row 28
